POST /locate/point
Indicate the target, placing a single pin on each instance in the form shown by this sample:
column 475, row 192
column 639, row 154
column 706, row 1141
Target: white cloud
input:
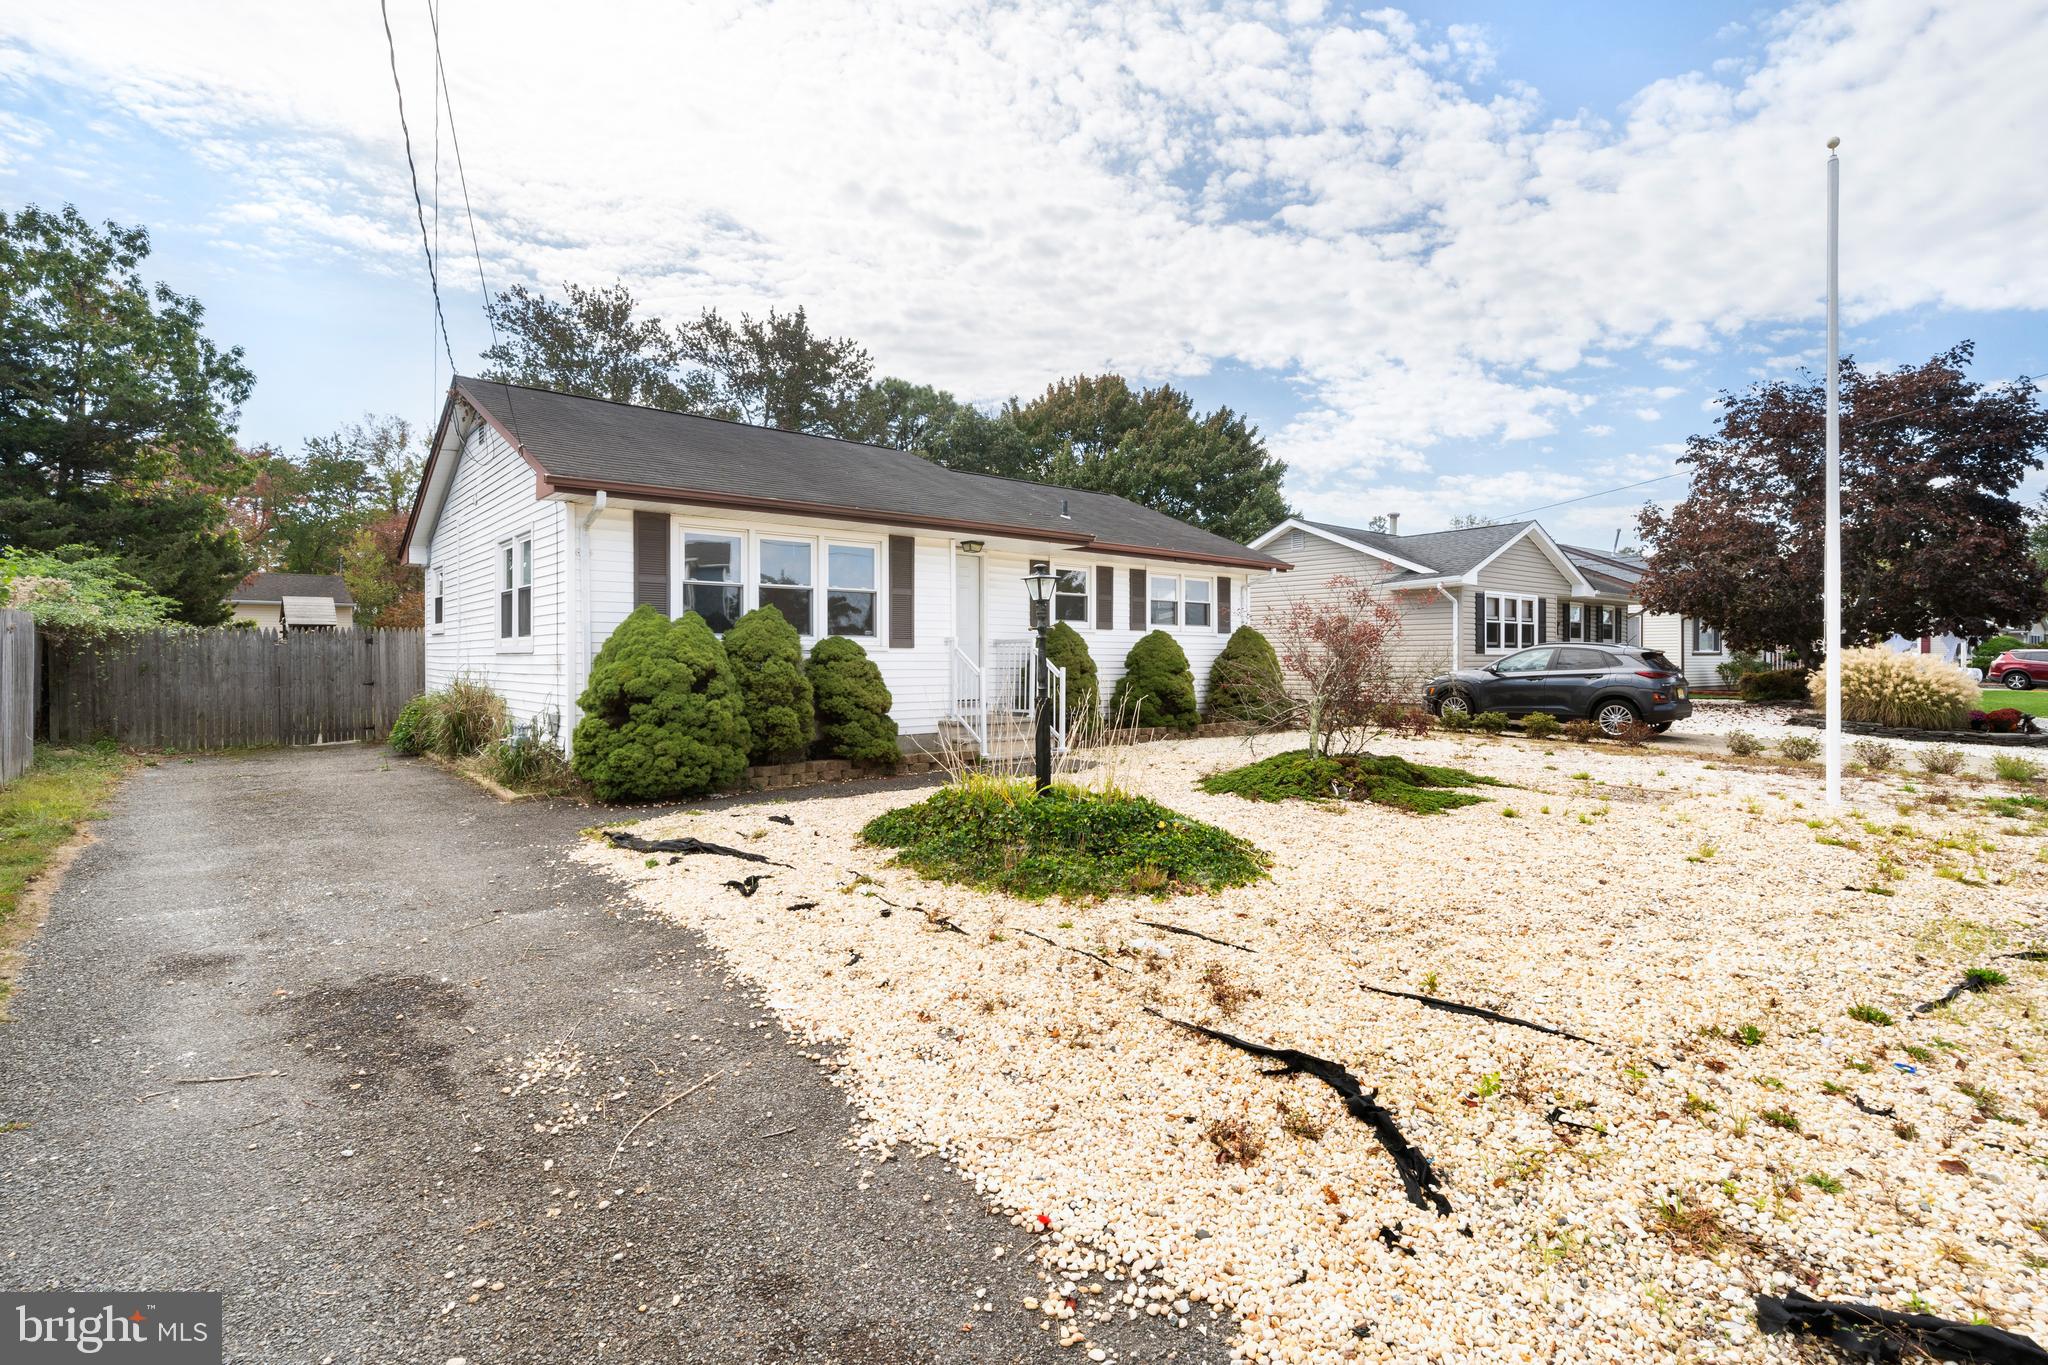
column 992, row 198
column 1648, row 414
column 1599, row 429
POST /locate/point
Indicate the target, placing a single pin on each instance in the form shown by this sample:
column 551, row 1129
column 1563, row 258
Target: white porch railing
column 969, row 705
column 1003, row 696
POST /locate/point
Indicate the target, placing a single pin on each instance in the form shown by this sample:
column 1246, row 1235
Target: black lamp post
column 1039, row 585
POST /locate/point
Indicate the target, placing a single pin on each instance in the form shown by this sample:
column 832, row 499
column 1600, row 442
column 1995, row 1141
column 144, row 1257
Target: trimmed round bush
column 1906, row 691
column 1541, row 725
column 407, row 730
column 768, row 659
column 852, row 703
column 1773, row 684
column 1157, row 688
column 1065, row 647
column 1244, row 682
column 662, row 715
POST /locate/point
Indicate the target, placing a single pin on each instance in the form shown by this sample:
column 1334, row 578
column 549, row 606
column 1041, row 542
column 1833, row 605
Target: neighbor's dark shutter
column 1223, row 606
column 1479, row 621
column 1137, row 599
column 1542, row 620
column 902, row 592
column 1105, row 597
column 650, row 560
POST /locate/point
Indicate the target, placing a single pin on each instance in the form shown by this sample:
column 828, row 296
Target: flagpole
column 1832, row 585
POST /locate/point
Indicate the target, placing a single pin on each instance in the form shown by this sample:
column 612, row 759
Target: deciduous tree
column 117, row 411
column 1932, row 536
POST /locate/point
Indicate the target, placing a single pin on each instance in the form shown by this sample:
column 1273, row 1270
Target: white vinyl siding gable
column 491, row 508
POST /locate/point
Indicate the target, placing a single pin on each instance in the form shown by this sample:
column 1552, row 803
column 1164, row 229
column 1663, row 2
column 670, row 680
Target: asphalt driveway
column 466, row 1026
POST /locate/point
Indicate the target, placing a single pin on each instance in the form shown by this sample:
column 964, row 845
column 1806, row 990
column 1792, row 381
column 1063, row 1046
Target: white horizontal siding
column 491, row 499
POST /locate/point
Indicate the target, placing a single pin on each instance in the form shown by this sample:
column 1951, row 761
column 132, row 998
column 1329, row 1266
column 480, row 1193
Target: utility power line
column 1583, row 497
column 418, row 203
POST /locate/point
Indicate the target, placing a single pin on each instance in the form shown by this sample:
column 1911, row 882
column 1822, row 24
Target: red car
column 2020, row 669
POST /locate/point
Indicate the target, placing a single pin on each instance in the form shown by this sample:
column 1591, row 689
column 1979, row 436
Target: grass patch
column 39, row 812
column 1383, row 779
column 1071, row 842
column 1870, row 1014
column 2034, row 701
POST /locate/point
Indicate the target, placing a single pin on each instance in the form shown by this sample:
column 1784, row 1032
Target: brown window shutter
column 1223, row 606
column 1478, row 603
column 650, row 561
column 1105, row 597
column 1137, row 599
column 1542, row 620
column 902, row 592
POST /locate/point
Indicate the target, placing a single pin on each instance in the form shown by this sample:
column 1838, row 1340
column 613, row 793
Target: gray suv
column 1610, row 685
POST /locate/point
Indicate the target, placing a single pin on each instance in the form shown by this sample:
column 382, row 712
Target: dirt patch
column 193, row 966
column 374, row 1029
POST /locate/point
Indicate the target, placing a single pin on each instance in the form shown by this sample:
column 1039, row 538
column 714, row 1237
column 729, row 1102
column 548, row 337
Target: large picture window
column 515, row 590
column 1195, row 606
column 711, row 578
column 786, row 581
column 850, row 593
column 1163, row 592
column 1510, row 623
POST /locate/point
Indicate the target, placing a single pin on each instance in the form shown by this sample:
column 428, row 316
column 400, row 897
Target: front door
column 967, row 606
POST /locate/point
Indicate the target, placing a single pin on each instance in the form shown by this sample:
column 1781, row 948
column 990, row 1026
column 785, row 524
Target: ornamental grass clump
column 453, row 723
column 1071, row 842
column 768, row 662
column 663, row 715
column 1904, row 691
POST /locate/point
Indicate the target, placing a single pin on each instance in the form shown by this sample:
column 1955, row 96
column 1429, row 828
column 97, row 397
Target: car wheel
column 1454, row 702
column 1614, row 716
column 2018, row 680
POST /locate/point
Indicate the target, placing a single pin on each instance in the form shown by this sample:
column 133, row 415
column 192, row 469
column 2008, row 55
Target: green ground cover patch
column 1070, row 842
column 1300, row 775
column 2033, row 701
column 39, row 812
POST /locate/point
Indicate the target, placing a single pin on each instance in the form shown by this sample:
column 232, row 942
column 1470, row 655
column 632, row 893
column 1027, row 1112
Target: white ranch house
column 543, row 519
column 1472, row 596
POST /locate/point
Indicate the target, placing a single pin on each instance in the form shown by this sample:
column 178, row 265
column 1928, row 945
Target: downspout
column 1457, row 627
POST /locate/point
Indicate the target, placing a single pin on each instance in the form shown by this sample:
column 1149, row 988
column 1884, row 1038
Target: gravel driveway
column 467, row 1025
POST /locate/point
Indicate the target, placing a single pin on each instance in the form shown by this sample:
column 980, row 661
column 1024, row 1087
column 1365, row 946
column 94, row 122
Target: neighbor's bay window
column 850, row 592
column 786, row 580
column 1163, row 592
column 1194, row 608
column 711, row 578
column 515, row 589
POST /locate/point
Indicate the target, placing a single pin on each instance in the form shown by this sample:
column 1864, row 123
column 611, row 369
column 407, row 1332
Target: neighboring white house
column 543, row 519
column 293, row 601
column 1471, row 596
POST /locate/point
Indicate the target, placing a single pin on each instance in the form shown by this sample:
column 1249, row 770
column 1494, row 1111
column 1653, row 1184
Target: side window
column 1528, row 661
column 1070, row 595
column 1195, row 607
column 515, row 589
column 439, row 617
column 1581, row 660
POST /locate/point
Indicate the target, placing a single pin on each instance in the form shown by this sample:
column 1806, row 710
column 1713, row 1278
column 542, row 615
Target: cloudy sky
column 1453, row 258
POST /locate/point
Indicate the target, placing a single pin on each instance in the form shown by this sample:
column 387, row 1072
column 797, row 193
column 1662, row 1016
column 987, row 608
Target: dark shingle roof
column 1616, row 572
column 274, row 587
column 584, row 444
column 1449, row 553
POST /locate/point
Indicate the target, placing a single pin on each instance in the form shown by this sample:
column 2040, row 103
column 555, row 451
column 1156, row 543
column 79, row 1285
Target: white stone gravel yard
column 1656, row 901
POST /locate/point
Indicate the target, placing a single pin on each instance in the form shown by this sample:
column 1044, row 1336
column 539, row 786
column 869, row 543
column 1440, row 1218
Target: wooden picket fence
column 220, row 689
column 17, row 693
